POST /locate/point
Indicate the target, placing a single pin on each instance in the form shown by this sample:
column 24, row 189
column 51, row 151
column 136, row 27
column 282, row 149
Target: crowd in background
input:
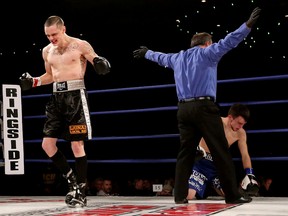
column 54, row 184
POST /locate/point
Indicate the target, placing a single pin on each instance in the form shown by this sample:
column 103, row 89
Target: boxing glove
column 249, row 183
column 27, row 81
column 101, row 65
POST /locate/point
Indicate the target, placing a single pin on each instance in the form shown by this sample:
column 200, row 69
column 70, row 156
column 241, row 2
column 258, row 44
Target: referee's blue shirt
column 195, row 69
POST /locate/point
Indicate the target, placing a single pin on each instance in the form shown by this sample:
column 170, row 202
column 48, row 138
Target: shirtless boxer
column 67, row 112
column 204, row 171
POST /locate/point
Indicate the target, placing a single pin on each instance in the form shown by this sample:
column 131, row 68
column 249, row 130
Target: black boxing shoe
column 240, row 200
column 183, row 201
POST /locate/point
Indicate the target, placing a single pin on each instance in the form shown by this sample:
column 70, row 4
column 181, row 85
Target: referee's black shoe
column 183, row 201
column 239, row 200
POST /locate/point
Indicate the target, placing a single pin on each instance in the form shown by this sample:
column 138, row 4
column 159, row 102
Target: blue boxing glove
column 249, row 183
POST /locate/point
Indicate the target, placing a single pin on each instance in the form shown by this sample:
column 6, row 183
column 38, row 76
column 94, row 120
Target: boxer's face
column 237, row 123
column 54, row 34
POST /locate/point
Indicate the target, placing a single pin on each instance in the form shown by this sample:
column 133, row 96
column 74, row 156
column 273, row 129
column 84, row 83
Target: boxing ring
column 135, row 132
column 141, row 206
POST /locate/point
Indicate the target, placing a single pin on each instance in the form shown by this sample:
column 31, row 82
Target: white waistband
column 69, row 85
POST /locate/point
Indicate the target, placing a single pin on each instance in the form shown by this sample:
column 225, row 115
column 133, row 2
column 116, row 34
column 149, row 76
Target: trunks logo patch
column 78, row 129
column 61, row 86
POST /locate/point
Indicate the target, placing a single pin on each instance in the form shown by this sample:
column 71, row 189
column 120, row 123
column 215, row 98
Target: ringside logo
column 12, row 130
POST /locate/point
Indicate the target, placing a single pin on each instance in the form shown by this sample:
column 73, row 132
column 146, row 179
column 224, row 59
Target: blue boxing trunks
column 203, row 173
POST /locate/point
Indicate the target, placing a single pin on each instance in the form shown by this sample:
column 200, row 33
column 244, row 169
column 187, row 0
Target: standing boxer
column 67, row 112
column 195, row 73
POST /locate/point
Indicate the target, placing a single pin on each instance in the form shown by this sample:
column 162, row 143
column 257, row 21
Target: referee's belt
column 197, row 99
column 69, row 85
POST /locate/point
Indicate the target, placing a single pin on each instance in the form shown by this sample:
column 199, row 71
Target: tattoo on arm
column 88, row 49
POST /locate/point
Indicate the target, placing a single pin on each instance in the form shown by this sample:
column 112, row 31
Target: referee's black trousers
column 197, row 119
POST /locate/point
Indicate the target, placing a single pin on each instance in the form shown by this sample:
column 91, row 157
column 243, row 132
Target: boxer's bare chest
column 63, row 55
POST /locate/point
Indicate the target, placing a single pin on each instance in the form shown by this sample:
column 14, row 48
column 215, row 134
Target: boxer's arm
column 246, row 160
column 101, row 65
column 243, row 148
column 249, row 183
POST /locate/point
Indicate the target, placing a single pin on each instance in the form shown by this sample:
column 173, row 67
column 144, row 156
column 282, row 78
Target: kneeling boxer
column 204, row 172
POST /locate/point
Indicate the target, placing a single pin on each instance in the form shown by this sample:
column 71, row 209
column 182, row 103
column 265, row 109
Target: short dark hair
column 52, row 20
column 200, row 39
column 239, row 110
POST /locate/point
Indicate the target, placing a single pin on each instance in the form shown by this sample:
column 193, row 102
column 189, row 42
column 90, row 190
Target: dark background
column 116, row 28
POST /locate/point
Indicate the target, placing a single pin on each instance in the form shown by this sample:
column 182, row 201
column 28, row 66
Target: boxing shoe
column 183, row 201
column 240, row 200
column 72, row 186
column 79, row 200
